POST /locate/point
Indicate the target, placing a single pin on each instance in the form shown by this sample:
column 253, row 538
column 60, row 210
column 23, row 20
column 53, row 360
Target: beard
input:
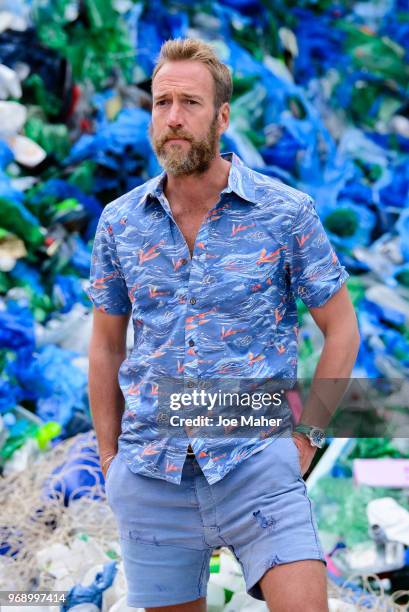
column 179, row 161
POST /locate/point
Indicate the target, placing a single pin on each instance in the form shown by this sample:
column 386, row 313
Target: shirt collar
column 239, row 181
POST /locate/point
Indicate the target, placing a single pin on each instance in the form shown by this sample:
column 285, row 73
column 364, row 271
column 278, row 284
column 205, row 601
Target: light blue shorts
column 260, row 511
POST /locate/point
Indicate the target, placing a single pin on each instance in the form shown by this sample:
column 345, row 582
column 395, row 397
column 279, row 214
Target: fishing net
column 58, row 499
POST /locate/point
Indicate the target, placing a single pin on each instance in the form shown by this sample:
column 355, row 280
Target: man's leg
column 165, row 558
column 199, row 605
column 300, row 585
column 266, row 519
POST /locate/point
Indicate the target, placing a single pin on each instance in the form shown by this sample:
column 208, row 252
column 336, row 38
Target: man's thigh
column 266, row 517
column 162, row 575
column 165, row 558
column 301, row 585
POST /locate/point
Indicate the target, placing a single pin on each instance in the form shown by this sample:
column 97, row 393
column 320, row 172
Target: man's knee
column 198, row 605
column 298, row 585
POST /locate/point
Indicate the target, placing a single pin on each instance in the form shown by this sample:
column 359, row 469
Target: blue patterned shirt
column 227, row 311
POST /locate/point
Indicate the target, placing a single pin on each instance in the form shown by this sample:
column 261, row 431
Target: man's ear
column 223, row 116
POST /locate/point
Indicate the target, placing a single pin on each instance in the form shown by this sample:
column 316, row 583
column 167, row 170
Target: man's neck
column 198, row 191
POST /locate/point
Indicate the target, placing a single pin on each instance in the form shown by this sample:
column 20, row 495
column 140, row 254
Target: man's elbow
column 346, row 335
column 355, row 339
column 100, row 352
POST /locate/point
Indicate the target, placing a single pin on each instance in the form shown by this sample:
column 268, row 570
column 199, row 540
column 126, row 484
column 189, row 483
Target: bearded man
column 208, row 259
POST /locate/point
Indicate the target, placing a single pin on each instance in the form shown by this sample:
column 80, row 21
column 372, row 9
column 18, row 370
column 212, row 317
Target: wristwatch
column 316, row 435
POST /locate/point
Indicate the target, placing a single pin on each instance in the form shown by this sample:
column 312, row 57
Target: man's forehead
column 189, row 75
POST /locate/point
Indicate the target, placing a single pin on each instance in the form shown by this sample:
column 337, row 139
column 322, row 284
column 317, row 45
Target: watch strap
column 306, row 428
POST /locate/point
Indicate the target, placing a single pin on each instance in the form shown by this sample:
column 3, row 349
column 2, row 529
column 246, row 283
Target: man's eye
column 161, row 102
column 192, row 102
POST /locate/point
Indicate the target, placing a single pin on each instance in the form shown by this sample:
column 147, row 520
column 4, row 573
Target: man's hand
column 305, row 450
column 105, row 463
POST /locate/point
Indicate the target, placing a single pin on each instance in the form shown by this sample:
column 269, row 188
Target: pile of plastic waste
column 74, row 109
column 360, row 498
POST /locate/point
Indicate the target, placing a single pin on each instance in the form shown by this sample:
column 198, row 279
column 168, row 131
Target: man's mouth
column 176, row 140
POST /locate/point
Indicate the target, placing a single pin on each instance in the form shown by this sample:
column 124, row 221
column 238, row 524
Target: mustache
column 168, row 136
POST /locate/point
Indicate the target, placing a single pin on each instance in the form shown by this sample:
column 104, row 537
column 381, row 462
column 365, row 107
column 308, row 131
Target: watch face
column 317, row 437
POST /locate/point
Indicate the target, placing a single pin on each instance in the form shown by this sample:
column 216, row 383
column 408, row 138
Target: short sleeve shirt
column 227, row 311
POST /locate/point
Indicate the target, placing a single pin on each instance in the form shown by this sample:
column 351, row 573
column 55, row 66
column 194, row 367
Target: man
column 207, row 259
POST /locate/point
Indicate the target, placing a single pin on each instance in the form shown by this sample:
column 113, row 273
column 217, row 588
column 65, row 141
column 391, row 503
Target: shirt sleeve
column 107, row 291
column 315, row 271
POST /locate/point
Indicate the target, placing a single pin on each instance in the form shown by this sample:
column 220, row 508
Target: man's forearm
column 331, row 379
column 106, row 399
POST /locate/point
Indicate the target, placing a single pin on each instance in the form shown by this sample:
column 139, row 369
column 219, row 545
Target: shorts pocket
column 109, row 468
column 296, row 454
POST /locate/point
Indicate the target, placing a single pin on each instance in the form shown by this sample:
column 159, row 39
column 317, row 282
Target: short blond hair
column 177, row 49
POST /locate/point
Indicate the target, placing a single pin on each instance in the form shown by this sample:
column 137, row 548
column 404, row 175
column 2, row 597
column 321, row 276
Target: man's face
column 185, row 128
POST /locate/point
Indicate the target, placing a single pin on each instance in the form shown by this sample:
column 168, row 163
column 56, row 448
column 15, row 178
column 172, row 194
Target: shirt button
column 191, row 342
column 193, row 300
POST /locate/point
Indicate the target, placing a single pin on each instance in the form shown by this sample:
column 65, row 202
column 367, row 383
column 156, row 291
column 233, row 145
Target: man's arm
column 337, row 321
column 107, row 350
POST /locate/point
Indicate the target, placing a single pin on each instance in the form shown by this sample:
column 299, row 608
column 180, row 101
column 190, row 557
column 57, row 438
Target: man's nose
column 175, row 116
